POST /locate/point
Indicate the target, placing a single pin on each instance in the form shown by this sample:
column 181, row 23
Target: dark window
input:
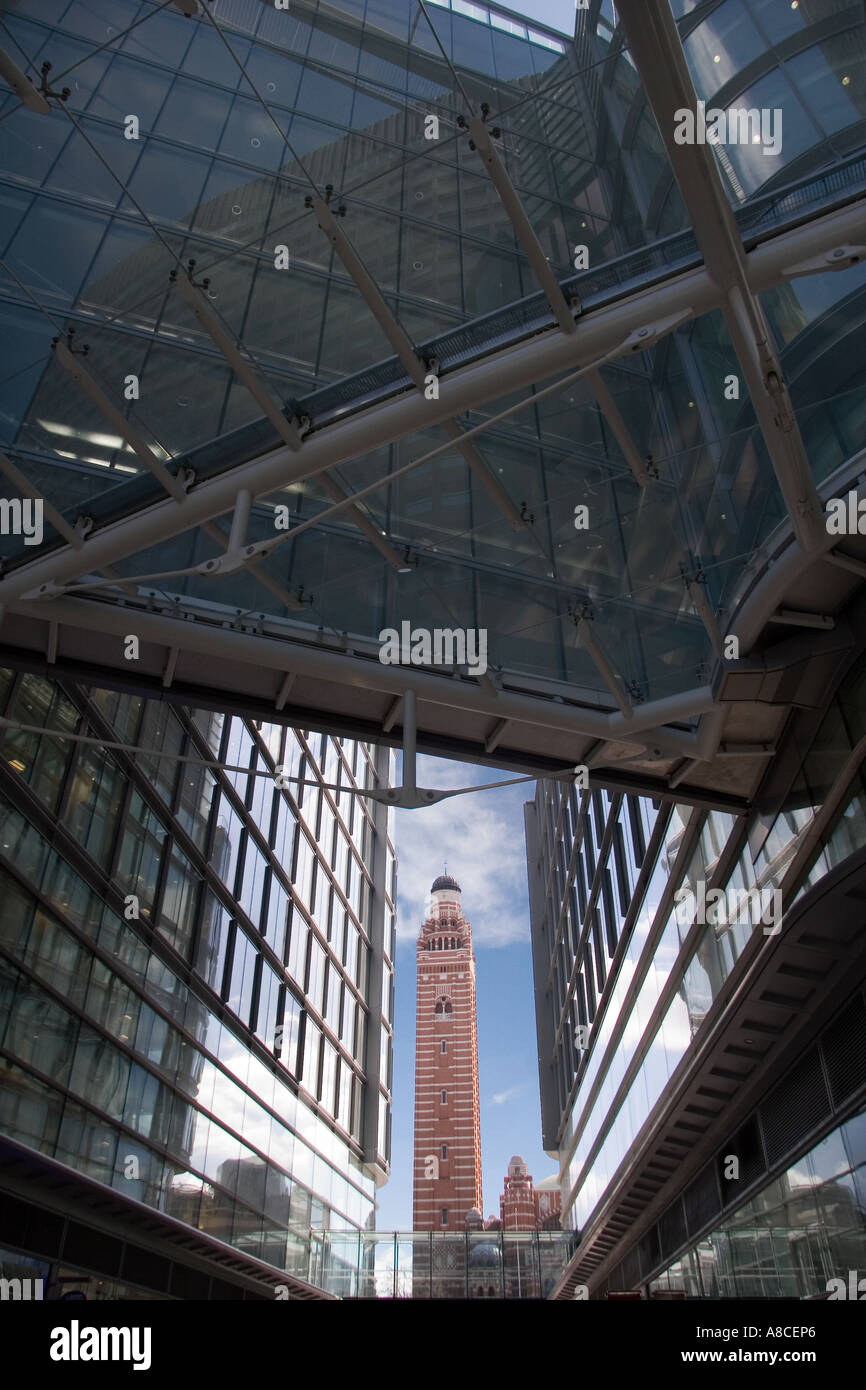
column 574, row 918
column 622, row 882
column 444, row 1046
column 610, row 923
column 637, row 839
column 588, row 981
column 600, row 963
column 240, row 992
column 588, row 854
column 444, row 1097
column 581, row 886
column 598, row 816
column 580, row 998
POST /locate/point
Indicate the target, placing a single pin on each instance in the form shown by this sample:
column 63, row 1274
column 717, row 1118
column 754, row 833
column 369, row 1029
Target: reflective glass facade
column 626, row 969
column 477, row 1266
column 188, row 958
column 807, row 1228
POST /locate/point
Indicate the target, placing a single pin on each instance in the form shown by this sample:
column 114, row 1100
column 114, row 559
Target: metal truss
column 655, row 47
column 624, row 325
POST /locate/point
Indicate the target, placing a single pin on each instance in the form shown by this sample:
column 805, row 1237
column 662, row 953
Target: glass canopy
column 390, row 206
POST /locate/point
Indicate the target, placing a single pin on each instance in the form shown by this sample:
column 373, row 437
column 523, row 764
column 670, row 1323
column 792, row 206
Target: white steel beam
column 600, row 660
column 619, row 429
column 285, row 690
column 645, row 725
column 704, row 610
column 510, row 199
column 559, row 307
column 846, row 562
column 494, row 738
column 21, row 85
column 73, row 364
column 415, row 369
column 287, row 431
column 797, row 618
column 52, row 515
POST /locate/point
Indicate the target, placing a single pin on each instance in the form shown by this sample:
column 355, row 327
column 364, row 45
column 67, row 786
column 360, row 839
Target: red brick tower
column 525, row 1207
column 517, row 1203
column 447, row 1174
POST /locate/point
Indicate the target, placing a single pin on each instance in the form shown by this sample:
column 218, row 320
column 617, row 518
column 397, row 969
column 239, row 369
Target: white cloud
column 482, row 838
column 502, row 1096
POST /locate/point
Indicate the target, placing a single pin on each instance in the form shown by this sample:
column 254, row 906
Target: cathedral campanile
column 447, row 1171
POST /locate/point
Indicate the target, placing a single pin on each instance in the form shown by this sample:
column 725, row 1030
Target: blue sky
column 481, row 836
column 559, row 14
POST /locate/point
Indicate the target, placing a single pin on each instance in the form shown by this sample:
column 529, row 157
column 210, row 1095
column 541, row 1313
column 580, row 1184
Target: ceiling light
column 717, row 57
column 107, row 441
column 846, row 81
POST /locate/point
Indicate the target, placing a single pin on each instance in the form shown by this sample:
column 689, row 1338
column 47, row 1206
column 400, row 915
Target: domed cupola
column 447, row 882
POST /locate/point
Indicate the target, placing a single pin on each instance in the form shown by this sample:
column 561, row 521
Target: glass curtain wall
column 185, row 956
column 625, row 969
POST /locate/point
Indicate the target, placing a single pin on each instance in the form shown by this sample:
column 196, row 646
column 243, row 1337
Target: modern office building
column 324, row 319
column 701, row 1004
column 447, row 1167
column 195, row 1028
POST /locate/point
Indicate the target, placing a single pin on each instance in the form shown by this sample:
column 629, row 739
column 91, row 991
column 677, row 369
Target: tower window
column 443, row 1005
column 444, row 1216
column 444, row 1150
column 444, row 1097
column 444, row 1046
